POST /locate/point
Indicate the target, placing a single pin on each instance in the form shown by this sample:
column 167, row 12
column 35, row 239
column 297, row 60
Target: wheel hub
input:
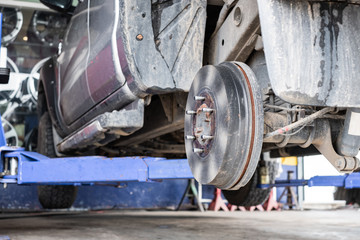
column 224, row 125
column 203, row 123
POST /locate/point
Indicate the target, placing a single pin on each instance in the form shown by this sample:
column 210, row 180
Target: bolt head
column 139, row 37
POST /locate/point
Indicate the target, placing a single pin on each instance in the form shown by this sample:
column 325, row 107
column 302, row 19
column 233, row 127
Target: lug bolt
column 206, row 137
column 188, row 137
column 199, row 98
column 198, row 150
column 190, row 112
column 207, row 110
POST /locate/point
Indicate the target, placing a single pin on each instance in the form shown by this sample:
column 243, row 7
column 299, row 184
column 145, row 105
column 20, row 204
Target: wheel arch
column 47, row 92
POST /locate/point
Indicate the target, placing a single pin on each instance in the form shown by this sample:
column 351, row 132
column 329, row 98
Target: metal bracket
column 323, row 143
column 237, row 36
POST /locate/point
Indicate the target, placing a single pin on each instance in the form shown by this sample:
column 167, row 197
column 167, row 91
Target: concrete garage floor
column 339, row 224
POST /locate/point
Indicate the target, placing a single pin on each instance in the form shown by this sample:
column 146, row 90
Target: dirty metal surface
column 313, row 50
column 230, row 159
column 237, row 36
column 204, row 123
column 172, row 39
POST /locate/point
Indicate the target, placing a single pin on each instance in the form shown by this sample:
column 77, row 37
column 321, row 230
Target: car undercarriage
column 218, row 82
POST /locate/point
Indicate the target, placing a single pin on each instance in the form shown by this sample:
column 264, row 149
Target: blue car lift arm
column 347, row 181
column 22, row 167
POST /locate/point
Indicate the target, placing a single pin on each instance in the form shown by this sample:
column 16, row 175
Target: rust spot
column 201, row 107
column 252, row 123
column 209, row 118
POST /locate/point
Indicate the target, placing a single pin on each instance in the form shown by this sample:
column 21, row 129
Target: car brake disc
column 224, row 125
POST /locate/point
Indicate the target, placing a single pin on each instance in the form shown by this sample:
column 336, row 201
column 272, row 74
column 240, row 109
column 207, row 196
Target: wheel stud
column 190, row 112
column 206, row 137
column 199, row 98
column 188, row 137
column 198, row 150
column 207, row 110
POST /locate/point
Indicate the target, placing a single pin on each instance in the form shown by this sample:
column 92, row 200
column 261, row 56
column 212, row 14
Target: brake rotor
column 224, row 125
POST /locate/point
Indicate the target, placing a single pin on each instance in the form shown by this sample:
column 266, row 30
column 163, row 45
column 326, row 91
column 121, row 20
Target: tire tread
column 52, row 196
column 250, row 194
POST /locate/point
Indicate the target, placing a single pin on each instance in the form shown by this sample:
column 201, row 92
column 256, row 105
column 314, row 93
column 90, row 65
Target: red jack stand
column 218, row 203
column 258, row 207
column 232, row 208
column 271, row 203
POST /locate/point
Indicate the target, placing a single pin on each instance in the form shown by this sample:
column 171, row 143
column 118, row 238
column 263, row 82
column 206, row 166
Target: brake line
column 299, row 123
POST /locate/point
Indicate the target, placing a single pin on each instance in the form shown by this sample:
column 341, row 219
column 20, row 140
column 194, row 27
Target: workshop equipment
column 348, row 181
column 4, row 72
column 192, row 193
column 271, row 203
column 291, row 198
column 218, row 202
column 233, row 208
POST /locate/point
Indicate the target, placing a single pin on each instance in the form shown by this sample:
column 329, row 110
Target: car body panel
column 87, row 69
column 110, row 68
